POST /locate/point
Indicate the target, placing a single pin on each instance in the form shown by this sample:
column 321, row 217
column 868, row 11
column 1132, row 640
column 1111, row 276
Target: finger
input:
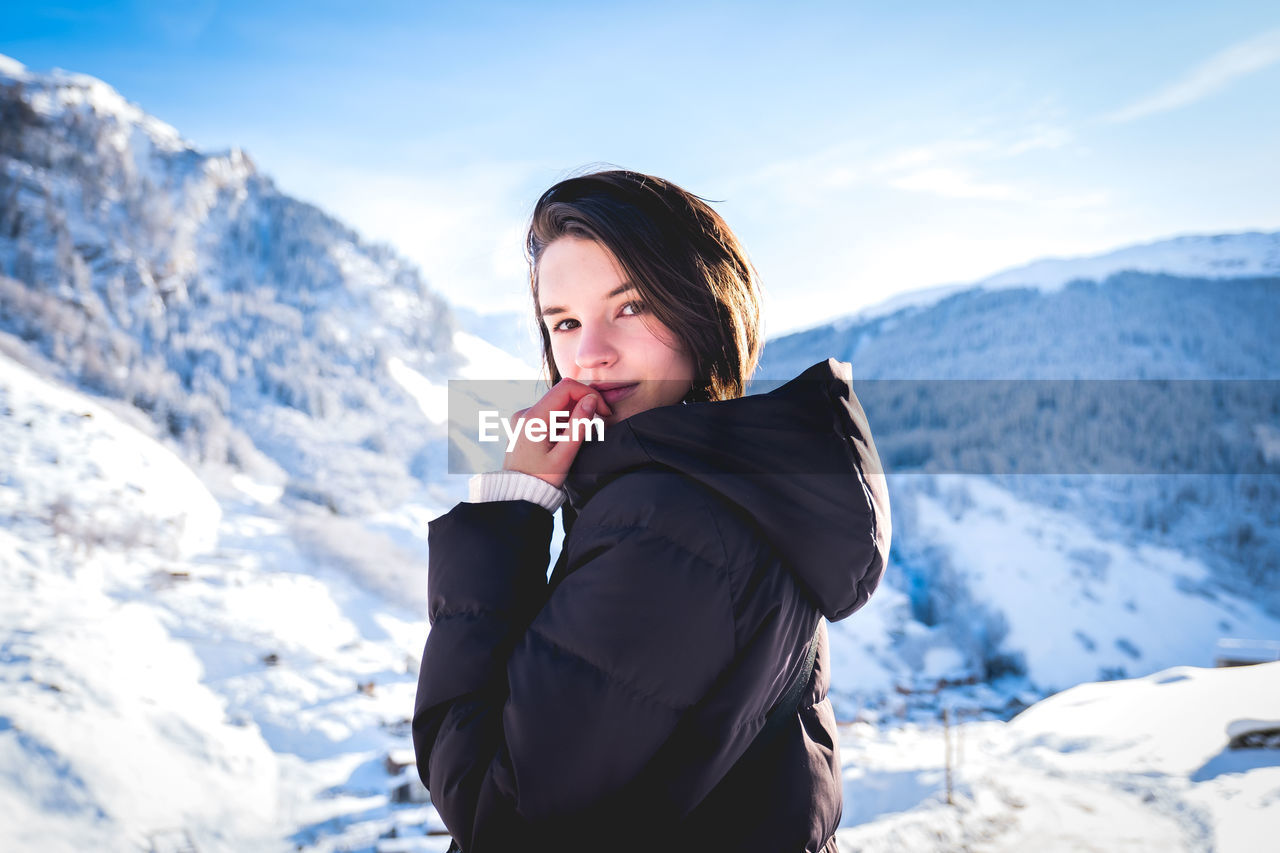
column 602, row 406
column 565, row 396
column 568, row 392
column 583, row 411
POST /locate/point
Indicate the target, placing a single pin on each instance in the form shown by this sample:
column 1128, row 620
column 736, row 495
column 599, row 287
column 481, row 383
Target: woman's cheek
column 563, row 365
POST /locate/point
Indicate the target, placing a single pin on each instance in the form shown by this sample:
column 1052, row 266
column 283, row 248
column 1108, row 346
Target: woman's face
column 600, row 335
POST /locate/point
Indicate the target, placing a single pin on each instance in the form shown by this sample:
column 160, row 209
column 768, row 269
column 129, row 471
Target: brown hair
column 693, row 274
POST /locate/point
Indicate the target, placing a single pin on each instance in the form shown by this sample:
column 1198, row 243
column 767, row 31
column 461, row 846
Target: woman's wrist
column 508, row 485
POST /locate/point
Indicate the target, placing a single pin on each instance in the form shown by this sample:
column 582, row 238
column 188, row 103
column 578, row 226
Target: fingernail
column 588, row 404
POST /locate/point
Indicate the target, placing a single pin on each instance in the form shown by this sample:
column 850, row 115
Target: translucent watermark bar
column 942, row 426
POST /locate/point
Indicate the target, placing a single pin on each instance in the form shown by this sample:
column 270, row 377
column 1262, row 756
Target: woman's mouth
column 613, row 395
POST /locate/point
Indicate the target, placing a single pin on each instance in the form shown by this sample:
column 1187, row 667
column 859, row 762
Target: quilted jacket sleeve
column 535, row 708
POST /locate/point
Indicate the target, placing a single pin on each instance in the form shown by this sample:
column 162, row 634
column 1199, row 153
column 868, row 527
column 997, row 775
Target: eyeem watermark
column 560, row 428
column 930, row 426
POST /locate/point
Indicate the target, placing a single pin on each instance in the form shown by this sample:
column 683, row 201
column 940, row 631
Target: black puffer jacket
column 598, row 711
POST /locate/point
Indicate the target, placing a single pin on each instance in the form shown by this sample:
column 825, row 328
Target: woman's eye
column 635, row 306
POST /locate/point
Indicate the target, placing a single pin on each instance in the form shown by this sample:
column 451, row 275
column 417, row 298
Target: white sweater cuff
column 514, row 486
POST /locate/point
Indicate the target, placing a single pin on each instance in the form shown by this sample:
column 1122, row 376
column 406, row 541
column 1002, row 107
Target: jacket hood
column 799, row 460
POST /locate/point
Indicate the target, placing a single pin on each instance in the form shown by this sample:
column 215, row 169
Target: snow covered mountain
column 222, row 415
column 1210, row 521
column 1130, row 325
column 1251, row 254
column 258, row 329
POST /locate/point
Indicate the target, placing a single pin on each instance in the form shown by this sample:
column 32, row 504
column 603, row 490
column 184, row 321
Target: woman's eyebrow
column 560, row 309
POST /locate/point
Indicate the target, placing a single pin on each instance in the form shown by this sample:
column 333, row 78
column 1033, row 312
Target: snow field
column 1139, row 764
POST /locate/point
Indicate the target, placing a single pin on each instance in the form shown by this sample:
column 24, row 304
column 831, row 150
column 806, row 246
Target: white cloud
column 932, row 152
column 800, row 180
column 948, row 168
column 1090, row 199
column 1246, row 57
column 1042, row 136
column 953, row 182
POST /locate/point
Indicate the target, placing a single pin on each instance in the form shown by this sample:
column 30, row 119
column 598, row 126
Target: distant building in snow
column 1253, row 734
column 406, row 787
column 1237, row 652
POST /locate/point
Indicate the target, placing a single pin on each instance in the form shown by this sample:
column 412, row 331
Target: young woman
column 620, row 704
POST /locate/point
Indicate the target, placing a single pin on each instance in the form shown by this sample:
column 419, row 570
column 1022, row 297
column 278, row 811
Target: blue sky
column 859, row 150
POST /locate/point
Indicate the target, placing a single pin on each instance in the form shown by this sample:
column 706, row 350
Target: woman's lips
column 613, row 395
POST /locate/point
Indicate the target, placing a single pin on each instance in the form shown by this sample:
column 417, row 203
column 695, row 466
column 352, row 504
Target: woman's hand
column 546, row 459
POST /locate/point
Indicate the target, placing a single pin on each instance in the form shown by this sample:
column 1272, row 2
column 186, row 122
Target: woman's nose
column 595, row 350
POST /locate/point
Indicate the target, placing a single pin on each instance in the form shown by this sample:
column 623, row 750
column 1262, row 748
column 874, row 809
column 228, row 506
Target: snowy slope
column 1022, row 598
column 95, row 691
column 139, row 610
column 1139, row 764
